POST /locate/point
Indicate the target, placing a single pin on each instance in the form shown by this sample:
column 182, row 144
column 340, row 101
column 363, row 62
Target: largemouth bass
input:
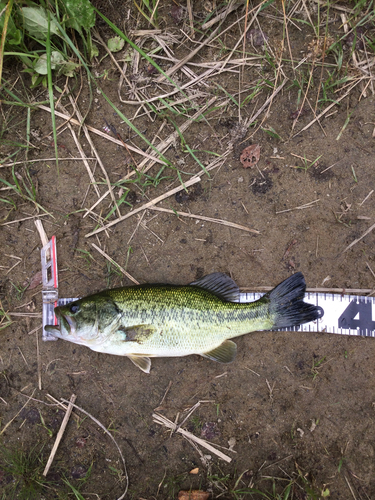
column 145, row 321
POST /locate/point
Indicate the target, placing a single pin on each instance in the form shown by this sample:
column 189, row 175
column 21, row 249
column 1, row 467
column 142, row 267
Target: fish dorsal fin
column 221, row 285
column 142, row 362
column 225, row 353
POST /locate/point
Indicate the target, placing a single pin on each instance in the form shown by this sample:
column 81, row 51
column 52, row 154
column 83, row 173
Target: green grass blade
column 77, row 494
column 228, row 95
column 188, row 148
column 9, row 202
column 50, row 92
column 4, row 33
column 134, row 128
column 28, row 119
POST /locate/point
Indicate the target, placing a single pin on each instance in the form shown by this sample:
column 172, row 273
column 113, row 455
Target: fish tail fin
column 287, row 305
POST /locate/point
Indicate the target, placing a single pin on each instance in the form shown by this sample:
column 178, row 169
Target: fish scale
column 204, row 317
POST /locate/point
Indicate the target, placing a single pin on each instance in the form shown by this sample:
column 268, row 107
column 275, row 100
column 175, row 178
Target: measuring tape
column 343, row 314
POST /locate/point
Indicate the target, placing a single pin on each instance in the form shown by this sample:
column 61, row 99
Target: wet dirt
column 291, row 401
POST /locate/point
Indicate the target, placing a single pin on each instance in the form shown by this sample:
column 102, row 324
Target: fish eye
column 74, row 308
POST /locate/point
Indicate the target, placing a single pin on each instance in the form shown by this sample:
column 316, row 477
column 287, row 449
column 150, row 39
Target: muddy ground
column 291, row 404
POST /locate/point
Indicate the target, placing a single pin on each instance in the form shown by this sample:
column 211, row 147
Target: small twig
column 115, row 264
column 25, row 218
column 367, row 197
column 270, row 389
column 12, row 256
column 26, row 315
column 360, row 238
column 325, row 170
column 165, row 394
column 187, row 58
column 41, row 159
column 189, row 183
column 161, row 420
column 14, row 265
column 94, row 151
column 258, row 8
column 227, row 10
column 62, row 406
column 287, row 369
column 15, row 416
column 190, row 12
column 41, row 231
column 100, row 132
column 83, row 157
column 60, row 433
column 34, row 330
column 372, row 272
column 268, row 101
column 257, row 374
column 302, row 157
column 277, row 462
column 190, row 412
column 208, row 219
column 26, row 363
column 317, row 118
column 306, row 205
column 350, row 488
column 137, row 226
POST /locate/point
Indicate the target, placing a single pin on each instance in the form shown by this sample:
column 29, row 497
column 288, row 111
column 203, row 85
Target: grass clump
column 295, row 487
column 23, row 473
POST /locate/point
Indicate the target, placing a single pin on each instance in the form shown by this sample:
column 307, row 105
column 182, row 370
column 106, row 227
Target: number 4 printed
column 364, row 323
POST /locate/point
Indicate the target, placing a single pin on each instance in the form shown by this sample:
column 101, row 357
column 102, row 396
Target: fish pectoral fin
column 225, row 353
column 143, row 362
column 136, row 333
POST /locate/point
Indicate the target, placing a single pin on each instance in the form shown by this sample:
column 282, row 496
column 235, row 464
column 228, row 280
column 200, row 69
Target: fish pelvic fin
column 286, row 305
column 143, row 362
column 224, row 353
column 221, row 285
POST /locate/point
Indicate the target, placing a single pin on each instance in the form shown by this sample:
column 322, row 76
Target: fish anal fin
column 143, row 362
column 224, row 353
column 136, row 333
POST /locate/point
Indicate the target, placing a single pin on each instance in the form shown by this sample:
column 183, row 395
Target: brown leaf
column 250, row 156
column 193, row 495
column 36, row 280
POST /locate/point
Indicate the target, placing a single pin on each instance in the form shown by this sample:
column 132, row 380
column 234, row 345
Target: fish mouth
column 68, row 326
column 53, row 330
